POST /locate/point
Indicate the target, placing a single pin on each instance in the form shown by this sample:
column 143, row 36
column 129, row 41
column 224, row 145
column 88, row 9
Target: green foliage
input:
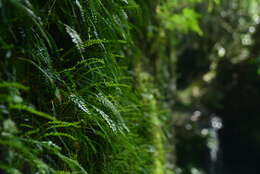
column 185, row 20
column 85, row 85
column 67, row 101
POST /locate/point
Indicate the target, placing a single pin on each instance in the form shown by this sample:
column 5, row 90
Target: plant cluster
column 68, row 103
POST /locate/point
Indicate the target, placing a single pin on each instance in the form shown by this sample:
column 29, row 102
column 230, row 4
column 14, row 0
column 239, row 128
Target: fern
column 67, row 90
column 14, row 85
column 33, row 111
column 59, row 134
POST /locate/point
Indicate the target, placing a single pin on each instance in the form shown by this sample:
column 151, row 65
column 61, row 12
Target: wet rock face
column 239, row 108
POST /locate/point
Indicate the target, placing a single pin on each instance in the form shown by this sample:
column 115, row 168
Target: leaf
column 86, row 62
column 82, row 13
column 59, row 124
column 75, row 38
column 106, row 117
column 93, row 42
column 34, row 131
column 90, row 143
column 33, row 111
column 14, row 85
column 73, row 164
column 79, row 101
column 111, row 84
column 125, row 1
column 107, row 103
column 45, row 72
column 57, row 134
column 62, row 172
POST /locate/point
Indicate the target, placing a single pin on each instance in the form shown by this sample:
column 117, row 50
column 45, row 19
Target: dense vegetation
column 68, row 101
column 127, row 86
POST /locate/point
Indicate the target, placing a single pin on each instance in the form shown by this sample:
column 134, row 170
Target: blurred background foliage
column 129, row 86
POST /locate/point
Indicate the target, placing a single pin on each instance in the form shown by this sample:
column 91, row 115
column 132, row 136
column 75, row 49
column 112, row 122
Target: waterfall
column 213, row 144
